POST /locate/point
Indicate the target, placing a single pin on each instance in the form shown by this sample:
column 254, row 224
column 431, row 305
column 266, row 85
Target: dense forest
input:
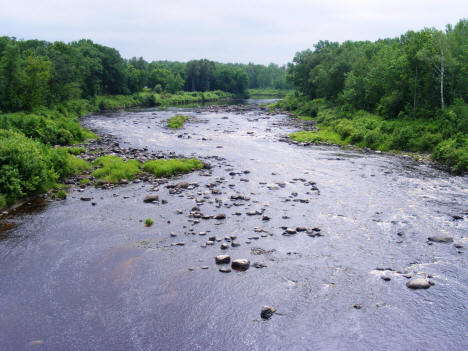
column 407, row 93
column 38, row 73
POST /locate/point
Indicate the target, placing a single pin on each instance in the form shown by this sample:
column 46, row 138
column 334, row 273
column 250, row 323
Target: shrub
column 61, row 194
column 345, row 128
column 65, row 164
column 373, row 138
column 400, row 138
column 25, row 166
column 149, row 222
column 454, row 153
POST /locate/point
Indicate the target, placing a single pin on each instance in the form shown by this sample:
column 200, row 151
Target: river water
column 80, row 277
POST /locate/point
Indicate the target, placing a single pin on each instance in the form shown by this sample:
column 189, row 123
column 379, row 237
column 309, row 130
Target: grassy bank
column 444, row 137
column 268, row 93
column 31, row 161
column 150, row 99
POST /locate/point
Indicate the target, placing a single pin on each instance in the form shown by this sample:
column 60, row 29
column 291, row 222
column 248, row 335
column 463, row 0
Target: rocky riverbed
column 271, row 246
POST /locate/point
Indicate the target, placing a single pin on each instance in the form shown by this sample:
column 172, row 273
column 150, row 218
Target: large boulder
column 241, row 264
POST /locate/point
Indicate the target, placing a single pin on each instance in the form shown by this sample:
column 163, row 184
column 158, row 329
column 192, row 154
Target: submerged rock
column 267, row 312
column 220, row 259
column 419, row 283
column 441, row 239
column 290, row 231
column 151, row 198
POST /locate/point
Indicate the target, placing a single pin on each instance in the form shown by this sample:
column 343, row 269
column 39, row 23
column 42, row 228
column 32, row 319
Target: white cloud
column 230, row 31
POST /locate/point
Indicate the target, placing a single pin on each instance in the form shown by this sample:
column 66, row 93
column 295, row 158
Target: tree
column 36, row 85
column 11, row 79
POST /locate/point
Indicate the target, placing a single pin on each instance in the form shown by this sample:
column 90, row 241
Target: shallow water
column 77, row 277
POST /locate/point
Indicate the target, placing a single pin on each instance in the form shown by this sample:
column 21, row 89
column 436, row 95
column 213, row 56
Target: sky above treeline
column 259, row 31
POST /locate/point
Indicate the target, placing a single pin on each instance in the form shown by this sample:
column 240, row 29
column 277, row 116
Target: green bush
column 61, row 194
column 160, row 168
column 25, row 166
column 48, row 127
column 454, row 153
column 345, row 128
column 65, row 164
column 401, row 137
column 149, row 222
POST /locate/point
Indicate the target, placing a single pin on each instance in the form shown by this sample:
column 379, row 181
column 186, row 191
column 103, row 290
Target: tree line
column 417, row 74
column 39, row 73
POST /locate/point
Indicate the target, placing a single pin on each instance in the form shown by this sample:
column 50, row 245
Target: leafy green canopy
column 416, row 74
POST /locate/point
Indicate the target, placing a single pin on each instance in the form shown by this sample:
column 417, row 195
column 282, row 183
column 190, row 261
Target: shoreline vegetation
column 403, row 94
column 419, row 138
column 268, row 93
column 36, row 148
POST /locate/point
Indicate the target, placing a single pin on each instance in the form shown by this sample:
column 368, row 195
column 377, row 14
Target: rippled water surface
column 80, row 277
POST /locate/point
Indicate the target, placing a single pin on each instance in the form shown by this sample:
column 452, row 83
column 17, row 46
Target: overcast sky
column 259, row 31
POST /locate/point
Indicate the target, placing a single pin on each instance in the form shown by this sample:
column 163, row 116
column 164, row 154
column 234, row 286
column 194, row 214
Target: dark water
column 77, row 277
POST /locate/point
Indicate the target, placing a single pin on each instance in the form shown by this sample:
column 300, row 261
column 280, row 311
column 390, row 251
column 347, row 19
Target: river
column 80, row 277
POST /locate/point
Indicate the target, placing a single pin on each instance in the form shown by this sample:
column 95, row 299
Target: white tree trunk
column 442, row 69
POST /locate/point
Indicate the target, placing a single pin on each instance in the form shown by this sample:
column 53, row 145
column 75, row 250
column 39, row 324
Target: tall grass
column 171, row 167
column 113, row 169
column 177, row 121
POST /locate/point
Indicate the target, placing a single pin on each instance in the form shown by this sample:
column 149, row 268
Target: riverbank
column 31, row 146
column 268, row 93
column 439, row 138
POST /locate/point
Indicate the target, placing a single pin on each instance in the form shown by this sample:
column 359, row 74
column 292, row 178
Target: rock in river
column 441, row 239
column 290, row 231
column 267, row 312
column 220, row 216
column 220, row 259
column 419, row 283
column 241, row 264
column 151, row 198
